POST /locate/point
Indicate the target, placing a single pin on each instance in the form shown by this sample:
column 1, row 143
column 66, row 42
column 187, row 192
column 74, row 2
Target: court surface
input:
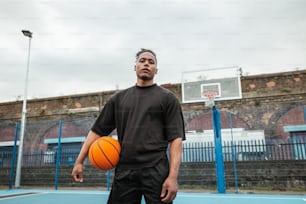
column 100, row 197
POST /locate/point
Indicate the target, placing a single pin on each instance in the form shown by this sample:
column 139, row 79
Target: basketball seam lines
column 104, row 152
column 112, row 145
column 105, row 155
column 96, row 163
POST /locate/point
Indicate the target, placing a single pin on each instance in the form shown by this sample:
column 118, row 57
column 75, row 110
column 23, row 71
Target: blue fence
column 293, row 149
column 285, row 158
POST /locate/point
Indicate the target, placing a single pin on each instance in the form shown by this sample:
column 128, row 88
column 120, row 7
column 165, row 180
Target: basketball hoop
column 210, row 96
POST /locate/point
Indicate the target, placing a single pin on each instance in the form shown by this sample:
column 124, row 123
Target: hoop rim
column 210, row 94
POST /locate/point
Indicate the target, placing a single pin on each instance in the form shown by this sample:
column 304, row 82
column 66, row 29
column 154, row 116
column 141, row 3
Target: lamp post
column 26, row 33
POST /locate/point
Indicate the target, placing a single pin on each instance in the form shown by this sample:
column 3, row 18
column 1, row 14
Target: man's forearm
column 91, row 137
column 175, row 157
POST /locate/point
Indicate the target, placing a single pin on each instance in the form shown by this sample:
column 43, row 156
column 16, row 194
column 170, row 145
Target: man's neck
column 142, row 83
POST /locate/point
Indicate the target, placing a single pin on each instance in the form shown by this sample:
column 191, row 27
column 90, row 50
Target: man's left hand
column 169, row 190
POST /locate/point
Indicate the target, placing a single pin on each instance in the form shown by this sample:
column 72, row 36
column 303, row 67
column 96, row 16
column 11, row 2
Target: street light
column 26, row 33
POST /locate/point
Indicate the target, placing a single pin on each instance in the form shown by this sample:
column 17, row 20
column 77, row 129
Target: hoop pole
column 218, row 150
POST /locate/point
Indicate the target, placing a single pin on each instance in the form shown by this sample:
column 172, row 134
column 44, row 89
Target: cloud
column 87, row 46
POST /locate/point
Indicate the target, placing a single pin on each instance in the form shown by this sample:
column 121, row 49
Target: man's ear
column 156, row 71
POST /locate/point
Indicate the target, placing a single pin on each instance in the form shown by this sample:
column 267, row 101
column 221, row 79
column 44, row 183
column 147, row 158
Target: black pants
column 131, row 184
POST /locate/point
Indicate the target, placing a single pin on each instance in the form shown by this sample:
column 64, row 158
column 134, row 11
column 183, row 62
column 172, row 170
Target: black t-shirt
column 146, row 119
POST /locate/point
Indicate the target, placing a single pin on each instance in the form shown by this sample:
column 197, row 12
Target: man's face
column 146, row 66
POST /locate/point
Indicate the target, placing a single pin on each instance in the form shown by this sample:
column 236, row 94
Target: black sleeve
column 174, row 121
column 105, row 122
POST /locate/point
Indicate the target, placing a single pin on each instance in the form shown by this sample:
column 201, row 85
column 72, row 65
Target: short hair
column 143, row 50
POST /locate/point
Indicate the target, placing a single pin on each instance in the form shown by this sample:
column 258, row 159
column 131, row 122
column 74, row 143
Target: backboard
column 225, row 82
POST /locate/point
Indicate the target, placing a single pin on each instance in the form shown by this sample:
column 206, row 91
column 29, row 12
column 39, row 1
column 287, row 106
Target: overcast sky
column 82, row 46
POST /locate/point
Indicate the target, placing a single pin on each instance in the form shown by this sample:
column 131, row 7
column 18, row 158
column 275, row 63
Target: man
column 147, row 118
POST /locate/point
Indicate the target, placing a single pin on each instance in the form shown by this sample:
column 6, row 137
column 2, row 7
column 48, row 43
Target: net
column 209, row 96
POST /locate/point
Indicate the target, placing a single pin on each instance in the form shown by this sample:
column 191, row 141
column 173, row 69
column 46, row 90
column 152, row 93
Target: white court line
column 78, row 192
column 13, row 196
column 186, row 195
column 241, row 197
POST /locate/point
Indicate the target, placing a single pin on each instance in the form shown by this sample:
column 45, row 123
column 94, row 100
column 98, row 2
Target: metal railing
column 274, row 149
column 293, row 149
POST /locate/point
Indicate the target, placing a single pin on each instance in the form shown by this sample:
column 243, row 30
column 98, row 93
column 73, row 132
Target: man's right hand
column 77, row 173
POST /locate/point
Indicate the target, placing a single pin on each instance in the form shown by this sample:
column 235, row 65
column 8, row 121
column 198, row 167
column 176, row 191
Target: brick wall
column 269, row 102
column 256, row 90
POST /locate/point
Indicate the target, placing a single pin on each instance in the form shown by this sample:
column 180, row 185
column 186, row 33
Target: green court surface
column 100, row 197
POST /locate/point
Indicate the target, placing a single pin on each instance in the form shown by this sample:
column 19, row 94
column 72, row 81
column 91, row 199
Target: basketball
column 104, row 153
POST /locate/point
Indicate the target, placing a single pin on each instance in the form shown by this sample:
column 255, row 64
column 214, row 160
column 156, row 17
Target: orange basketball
column 104, row 153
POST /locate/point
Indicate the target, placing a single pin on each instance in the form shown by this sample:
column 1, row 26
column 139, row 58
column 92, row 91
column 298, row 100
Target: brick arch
column 68, row 130
column 7, row 134
column 204, row 122
column 294, row 116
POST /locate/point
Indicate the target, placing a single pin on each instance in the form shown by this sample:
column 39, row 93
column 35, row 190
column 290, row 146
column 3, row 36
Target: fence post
column 233, row 153
column 108, row 180
column 58, row 154
column 304, row 108
column 14, row 156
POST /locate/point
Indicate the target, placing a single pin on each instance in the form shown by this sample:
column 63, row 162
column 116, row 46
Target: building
column 274, row 104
